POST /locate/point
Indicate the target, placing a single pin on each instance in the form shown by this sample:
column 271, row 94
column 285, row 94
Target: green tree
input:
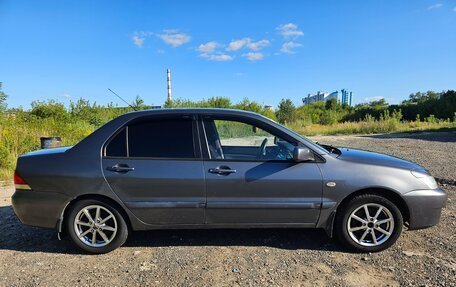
column 311, row 113
column 219, row 102
column 90, row 113
column 378, row 104
column 286, row 112
column 49, row 109
column 269, row 114
column 3, row 98
column 248, row 105
column 332, row 104
column 420, row 97
column 329, row 118
column 138, row 103
column 169, row 104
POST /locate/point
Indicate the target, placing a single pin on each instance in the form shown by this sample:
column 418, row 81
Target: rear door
column 154, row 165
column 251, row 179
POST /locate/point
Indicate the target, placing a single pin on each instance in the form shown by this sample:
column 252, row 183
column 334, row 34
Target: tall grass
column 370, row 127
column 20, row 133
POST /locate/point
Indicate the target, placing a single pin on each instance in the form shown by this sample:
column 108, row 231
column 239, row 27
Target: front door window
column 234, row 140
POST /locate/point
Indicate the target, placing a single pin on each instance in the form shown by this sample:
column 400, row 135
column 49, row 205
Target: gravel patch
column 281, row 257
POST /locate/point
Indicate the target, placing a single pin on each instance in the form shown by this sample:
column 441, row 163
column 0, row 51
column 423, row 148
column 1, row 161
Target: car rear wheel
column 96, row 227
column 368, row 223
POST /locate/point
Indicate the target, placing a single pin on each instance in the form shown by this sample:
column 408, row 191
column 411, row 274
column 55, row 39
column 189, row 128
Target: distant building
column 347, row 97
column 343, row 97
column 335, row 95
column 318, row 97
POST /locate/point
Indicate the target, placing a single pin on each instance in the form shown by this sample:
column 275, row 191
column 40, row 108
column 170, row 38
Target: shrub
column 431, row 119
column 286, row 112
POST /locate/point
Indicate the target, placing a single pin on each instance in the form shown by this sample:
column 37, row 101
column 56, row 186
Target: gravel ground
column 282, row 257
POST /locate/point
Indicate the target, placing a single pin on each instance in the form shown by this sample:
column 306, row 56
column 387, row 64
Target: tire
column 111, row 231
column 386, row 228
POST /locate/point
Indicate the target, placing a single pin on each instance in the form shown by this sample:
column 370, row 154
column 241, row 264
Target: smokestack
column 168, row 75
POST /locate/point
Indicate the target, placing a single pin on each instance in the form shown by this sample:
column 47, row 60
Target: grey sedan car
column 219, row 168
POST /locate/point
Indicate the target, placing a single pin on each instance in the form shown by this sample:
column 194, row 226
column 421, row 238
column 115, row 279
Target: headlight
column 426, row 179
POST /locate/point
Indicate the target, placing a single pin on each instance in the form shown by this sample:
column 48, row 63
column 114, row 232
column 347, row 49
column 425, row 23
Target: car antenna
column 134, row 108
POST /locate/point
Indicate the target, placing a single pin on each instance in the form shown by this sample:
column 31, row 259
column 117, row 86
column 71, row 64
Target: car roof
column 208, row 111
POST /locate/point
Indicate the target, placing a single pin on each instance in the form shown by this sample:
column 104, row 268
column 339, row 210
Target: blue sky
column 262, row 50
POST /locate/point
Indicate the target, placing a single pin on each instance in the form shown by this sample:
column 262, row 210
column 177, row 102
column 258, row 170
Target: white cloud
column 257, row 46
column 137, row 40
column 253, row 56
column 289, row 30
column 209, row 47
column 208, row 51
column 221, row 57
column 288, row 47
column 174, row 38
column 435, row 6
column 217, row 57
column 237, row 44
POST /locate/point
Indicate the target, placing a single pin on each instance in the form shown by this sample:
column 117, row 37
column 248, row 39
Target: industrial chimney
column 168, row 75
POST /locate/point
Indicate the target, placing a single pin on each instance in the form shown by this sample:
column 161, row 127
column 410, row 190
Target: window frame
column 195, row 137
column 250, row 121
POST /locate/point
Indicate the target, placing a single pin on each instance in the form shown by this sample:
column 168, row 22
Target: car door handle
column 222, row 170
column 120, row 168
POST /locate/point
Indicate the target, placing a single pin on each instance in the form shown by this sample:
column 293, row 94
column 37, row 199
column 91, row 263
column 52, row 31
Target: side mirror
column 301, row 154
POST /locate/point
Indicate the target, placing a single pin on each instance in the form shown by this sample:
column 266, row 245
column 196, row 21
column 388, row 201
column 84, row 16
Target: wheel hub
column 95, row 226
column 370, row 224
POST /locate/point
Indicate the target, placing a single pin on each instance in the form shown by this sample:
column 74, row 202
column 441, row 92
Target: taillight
column 19, row 182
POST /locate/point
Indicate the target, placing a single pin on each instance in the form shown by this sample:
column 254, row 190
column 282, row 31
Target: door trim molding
column 164, row 204
column 263, row 205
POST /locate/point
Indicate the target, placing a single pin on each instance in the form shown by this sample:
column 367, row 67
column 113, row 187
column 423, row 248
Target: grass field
column 372, row 127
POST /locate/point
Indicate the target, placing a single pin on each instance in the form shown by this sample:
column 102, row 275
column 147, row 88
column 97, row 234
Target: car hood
column 373, row 158
column 47, row 151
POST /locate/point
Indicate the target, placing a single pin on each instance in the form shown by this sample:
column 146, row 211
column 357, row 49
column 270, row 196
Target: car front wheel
column 368, row 223
column 96, row 227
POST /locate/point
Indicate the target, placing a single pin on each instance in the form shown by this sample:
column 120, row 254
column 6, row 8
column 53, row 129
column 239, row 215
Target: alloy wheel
column 370, row 224
column 95, row 226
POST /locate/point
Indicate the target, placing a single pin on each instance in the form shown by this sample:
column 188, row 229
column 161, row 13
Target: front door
column 251, row 179
column 154, row 165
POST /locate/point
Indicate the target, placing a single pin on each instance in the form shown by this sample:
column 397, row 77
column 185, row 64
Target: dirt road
column 280, row 257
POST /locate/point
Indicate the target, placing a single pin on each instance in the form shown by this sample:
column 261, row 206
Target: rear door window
column 118, row 145
column 163, row 138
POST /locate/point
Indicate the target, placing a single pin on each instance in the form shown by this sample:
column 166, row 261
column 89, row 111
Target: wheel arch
column 103, row 198
column 387, row 193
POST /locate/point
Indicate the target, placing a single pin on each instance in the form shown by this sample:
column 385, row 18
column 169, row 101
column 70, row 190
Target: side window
column 163, row 138
column 118, row 145
column 241, row 141
column 233, row 133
